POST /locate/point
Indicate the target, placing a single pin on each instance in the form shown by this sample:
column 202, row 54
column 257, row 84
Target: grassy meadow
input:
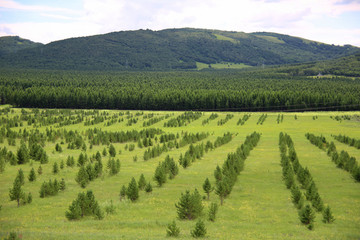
column 259, row 206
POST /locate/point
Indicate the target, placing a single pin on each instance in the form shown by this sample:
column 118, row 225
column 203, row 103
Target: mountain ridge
column 171, row 49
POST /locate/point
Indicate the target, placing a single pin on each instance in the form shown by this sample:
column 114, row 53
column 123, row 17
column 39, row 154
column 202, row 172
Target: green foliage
column 112, row 150
column 12, row 236
column 190, row 205
column 172, row 230
column 16, row 193
column 122, row 192
column 177, row 91
column 22, row 154
column 84, row 205
column 32, row 175
column 200, row 230
column 148, row 187
column 55, row 169
column 142, row 182
column 132, row 191
column 125, row 50
column 207, row 187
column 212, row 211
column 327, row 215
column 307, row 216
column 21, row 177
column 51, row 188
column 160, row 174
column 110, row 208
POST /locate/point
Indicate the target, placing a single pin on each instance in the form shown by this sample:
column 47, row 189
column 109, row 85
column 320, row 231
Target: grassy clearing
column 259, row 206
column 201, row 66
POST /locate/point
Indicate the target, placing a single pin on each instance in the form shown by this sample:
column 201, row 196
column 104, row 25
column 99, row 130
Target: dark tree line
column 232, row 90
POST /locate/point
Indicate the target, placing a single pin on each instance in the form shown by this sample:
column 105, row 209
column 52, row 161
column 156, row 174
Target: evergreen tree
column 21, row 176
column 29, row 198
column 82, row 177
column 32, row 175
column 212, row 211
column 39, row 170
column 62, row 185
column 190, row 205
column 218, row 174
column 2, row 164
column 142, row 182
column 199, row 230
column 307, row 216
column 317, row 202
column 23, row 154
column 123, row 192
column 62, row 164
column 104, row 152
column 55, row 169
column 74, row 212
column 16, row 192
column 148, row 187
column 207, row 187
column 221, row 190
column 132, row 191
column 327, row 215
column 112, row 150
column 172, row 230
column 160, row 174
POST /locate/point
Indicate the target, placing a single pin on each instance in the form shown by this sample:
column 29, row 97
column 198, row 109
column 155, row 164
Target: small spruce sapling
column 207, row 188
column 172, row 230
column 199, row 230
column 32, row 175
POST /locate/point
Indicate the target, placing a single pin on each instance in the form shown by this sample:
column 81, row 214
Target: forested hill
column 10, row 44
column 171, row 49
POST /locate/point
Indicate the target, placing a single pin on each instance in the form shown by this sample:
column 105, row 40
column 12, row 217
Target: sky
column 329, row 21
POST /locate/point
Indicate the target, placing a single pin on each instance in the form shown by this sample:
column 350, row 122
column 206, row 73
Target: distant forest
column 247, row 90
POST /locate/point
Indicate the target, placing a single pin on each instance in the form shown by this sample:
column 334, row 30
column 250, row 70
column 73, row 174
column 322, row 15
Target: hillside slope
column 172, row 49
column 11, row 44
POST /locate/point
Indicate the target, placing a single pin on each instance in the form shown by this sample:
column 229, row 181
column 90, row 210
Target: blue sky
column 329, row 21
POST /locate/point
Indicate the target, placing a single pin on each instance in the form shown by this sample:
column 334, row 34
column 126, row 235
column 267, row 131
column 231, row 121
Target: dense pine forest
column 272, row 89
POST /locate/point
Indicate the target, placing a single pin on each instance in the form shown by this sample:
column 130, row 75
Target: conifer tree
column 142, row 182
column 62, row 164
column 221, row 190
column 55, row 169
column 16, row 192
column 160, row 175
column 189, row 206
column 148, row 187
column 212, row 211
column 32, row 175
column 327, row 215
column 132, row 191
column 23, row 154
column 123, row 192
column 112, row 150
column 207, row 187
column 218, row 174
column 21, row 176
column 29, row 198
column 62, row 185
column 82, row 177
column 2, row 164
column 172, row 230
column 199, row 230
column 39, row 170
column 307, row 216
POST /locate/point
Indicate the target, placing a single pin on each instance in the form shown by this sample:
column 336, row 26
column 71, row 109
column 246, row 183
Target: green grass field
column 259, row 206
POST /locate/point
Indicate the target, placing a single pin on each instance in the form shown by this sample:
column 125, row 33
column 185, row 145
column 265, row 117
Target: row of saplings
column 190, row 205
column 293, row 172
column 16, row 193
column 342, row 160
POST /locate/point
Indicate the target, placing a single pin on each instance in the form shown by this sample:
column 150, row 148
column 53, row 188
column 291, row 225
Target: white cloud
column 295, row 17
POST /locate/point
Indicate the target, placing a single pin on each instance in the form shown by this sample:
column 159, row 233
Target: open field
column 259, row 206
